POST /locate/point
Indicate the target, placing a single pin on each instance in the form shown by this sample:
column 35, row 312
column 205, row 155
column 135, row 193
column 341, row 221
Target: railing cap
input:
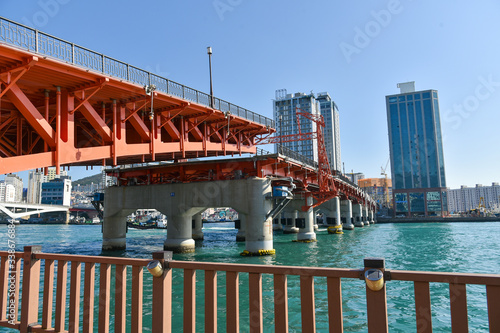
column 163, row 255
column 374, row 262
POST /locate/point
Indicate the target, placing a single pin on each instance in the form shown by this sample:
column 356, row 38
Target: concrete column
column 332, row 219
column 197, row 227
column 259, row 228
column 240, row 236
column 290, row 228
column 366, row 217
column 315, row 220
column 358, row 215
column 372, row 221
column 277, row 223
column 114, row 230
column 179, row 234
column 307, row 234
column 346, row 213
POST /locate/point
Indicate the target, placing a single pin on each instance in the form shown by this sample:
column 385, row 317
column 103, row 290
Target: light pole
column 209, row 51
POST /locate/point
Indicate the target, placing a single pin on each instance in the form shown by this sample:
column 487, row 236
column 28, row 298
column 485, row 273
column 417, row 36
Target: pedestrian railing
column 30, row 39
column 21, row 291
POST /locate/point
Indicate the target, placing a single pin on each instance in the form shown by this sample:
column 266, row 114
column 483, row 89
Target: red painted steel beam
column 32, row 115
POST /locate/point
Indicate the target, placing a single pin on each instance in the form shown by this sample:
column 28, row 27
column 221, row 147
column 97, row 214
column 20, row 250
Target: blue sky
column 355, row 50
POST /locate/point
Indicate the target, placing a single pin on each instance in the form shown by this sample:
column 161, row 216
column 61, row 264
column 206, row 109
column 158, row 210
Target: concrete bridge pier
column 333, row 221
column 346, row 214
column 252, row 206
column 179, row 234
column 372, row 221
column 289, row 227
column 366, row 217
column 358, row 215
column 277, row 223
column 197, row 227
column 114, row 228
column 305, row 220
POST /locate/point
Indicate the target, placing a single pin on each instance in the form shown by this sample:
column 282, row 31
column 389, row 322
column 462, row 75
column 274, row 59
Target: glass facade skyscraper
column 416, row 148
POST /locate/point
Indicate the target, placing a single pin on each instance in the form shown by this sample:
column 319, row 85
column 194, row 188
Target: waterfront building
column 57, row 192
column 35, row 181
column 416, row 150
column 37, row 178
column 285, row 111
column 13, row 193
column 285, row 107
column 7, row 192
column 380, row 189
column 331, row 132
column 466, row 198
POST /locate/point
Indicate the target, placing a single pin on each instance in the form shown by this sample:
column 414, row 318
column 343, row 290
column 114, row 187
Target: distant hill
column 96, row 179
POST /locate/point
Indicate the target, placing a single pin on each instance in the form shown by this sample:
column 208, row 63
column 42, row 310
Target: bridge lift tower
column 327, row 188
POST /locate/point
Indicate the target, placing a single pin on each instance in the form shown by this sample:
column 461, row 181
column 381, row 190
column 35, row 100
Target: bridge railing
column 150, row 298
column 36, row 41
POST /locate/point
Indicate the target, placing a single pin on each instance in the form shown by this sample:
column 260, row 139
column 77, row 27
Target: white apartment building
column 15, row 192
column 467, row 198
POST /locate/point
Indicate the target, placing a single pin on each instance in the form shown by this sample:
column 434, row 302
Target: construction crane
column 386, row 187
column 327, row 187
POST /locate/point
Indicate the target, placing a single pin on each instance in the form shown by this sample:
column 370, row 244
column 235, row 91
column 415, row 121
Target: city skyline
column 356, row 52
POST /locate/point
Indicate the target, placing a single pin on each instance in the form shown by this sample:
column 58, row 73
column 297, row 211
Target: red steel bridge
column 62, row 105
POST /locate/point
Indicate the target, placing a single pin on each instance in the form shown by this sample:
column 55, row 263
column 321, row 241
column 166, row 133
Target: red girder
column 92, row 119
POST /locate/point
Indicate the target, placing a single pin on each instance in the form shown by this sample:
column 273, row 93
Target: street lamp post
column 209, row 51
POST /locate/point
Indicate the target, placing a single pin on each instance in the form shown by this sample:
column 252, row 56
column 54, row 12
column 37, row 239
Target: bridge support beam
column 114, row 229
column 289, row 227
column 372, row 220
column 180, row 202
column 346, row 214
column 358, row 215
column 197, row 227
column 331, row 210
column 179, row 234
column 366, row 216
column 277, row 223
column 306, row 230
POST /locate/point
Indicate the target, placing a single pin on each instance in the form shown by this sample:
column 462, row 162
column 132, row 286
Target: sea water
column 439, row 247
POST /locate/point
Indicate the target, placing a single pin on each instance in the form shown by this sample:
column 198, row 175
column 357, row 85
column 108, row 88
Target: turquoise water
column 444, row 247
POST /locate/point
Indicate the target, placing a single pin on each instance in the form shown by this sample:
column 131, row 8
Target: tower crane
column 327, row 187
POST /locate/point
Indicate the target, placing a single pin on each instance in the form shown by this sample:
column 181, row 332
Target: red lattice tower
column 326, row 183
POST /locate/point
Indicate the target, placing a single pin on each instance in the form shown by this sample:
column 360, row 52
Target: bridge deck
column 62, row 104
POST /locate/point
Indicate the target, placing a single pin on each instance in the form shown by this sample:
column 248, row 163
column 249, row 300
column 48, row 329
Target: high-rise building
column 37, row 178
column 15, row 193
column 285, row 111
column 330, row 114
column 416, row 149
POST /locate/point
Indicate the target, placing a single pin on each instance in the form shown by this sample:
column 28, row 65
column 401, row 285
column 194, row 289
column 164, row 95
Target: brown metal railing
column 28, row 297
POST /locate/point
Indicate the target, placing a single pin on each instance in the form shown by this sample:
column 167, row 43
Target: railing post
column 31, row 287
column 162, row 294
column 376, row 300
